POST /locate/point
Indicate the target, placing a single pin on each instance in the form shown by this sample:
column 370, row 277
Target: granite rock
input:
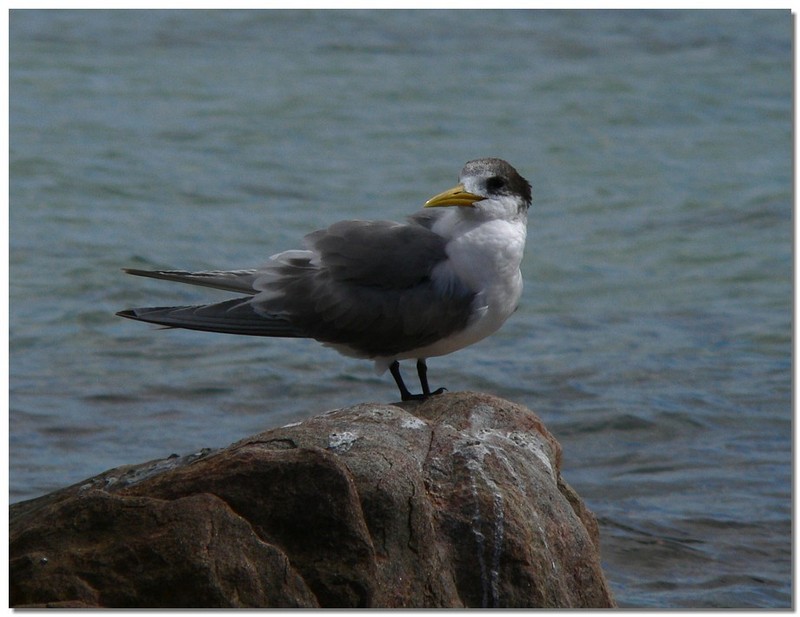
column 456, row 501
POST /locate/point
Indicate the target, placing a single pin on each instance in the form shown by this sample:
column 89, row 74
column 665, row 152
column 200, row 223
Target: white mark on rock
column 490, row 577
column 499, row 528
column 412, row 422
column 534, row 443
column 480, row 539
column 481, row 417
column 508, row 450
column 341, row 442
column 382, row 412
column 291, row 424
column 330, row 412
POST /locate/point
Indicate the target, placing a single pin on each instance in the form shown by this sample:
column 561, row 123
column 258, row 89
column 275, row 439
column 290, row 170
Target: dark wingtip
column 130, row 314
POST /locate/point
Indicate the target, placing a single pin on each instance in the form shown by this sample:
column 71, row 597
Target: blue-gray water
column 654, row 336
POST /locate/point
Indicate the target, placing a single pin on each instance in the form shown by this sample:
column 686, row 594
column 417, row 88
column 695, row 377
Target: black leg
column 405, row 395
column 422, row 371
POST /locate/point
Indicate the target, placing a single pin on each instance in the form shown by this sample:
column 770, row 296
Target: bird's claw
column 423, row 396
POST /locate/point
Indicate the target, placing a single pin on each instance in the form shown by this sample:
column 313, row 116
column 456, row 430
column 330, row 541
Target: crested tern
column 447, row 278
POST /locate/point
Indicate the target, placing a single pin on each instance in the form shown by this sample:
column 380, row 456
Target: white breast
column 485, row 256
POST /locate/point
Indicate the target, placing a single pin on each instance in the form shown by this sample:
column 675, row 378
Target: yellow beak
column 455, row 196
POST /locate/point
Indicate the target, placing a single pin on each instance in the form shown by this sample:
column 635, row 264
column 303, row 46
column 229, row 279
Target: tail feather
column 231, row 317
column 239, row 281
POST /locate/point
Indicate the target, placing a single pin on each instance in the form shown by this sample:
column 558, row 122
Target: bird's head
column 488, row 180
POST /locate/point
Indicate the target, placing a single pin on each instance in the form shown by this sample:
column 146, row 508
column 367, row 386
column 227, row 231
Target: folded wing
column 239, row 281
column 370, row 288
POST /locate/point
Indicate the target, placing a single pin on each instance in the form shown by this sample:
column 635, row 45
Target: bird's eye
column 494, row 184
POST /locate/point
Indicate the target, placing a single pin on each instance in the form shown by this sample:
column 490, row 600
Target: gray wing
column 377, row 253
column 371, row 286
column 231, row 317
column 353, row 249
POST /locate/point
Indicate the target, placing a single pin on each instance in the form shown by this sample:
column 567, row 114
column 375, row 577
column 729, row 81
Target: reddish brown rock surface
column 456, row 501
